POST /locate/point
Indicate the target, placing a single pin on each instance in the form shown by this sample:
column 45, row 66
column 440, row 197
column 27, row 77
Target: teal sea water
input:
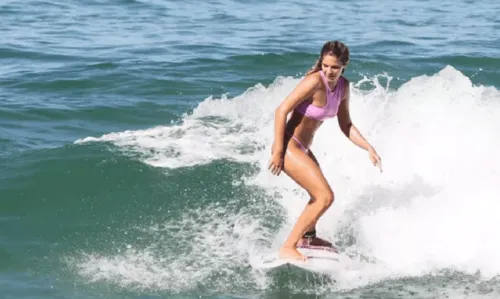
column 135, row 136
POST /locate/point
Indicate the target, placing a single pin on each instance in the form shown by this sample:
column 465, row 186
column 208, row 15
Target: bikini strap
column 341, row 88
column 340, row 81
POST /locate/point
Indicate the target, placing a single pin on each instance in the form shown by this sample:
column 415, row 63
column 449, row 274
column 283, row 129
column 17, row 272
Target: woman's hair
column 335, row 48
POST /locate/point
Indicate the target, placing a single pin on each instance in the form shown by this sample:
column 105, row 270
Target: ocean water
column 135, row 136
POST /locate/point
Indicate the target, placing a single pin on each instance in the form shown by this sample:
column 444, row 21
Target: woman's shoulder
column 314, row 76
column 346, row 81
column 347, row 84
column 314, row 79
column 345, row 88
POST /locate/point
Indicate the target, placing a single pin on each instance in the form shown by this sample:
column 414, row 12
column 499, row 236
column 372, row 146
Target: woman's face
column 332, row 67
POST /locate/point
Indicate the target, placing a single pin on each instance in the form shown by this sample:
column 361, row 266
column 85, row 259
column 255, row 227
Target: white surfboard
column 319, row 259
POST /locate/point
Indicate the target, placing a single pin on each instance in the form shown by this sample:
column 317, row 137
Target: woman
column 322, row 94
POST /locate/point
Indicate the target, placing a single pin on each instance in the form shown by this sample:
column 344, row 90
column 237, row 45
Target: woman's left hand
column 374, row 157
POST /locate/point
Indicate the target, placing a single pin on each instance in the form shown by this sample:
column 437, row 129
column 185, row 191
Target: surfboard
column 320, row 259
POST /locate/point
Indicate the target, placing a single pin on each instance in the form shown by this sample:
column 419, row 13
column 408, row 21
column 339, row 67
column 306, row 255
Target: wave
column 432, row 211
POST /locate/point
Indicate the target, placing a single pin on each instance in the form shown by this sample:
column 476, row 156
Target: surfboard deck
column 319, row 259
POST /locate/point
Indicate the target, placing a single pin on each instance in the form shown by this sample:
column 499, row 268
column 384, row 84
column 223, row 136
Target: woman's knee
column 325, row 198
column 329, row 198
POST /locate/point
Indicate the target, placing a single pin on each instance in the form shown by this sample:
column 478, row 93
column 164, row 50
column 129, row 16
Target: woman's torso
column 303, row 126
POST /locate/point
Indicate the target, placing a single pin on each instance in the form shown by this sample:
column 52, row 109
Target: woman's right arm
column 302, row 91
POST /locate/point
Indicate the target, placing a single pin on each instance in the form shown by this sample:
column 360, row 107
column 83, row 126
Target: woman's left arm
column 351, row 132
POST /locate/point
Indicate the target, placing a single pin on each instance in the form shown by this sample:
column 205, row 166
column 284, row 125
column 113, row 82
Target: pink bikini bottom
column 302, row 147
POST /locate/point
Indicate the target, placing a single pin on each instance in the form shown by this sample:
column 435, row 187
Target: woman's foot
column 291, row 253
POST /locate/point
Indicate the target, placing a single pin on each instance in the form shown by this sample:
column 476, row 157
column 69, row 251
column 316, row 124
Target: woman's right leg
column 300, row 167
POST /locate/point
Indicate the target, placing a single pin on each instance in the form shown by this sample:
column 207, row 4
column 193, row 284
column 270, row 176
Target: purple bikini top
column 333, row 99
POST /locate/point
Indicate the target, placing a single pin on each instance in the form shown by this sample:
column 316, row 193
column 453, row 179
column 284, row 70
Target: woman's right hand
column 276, row 162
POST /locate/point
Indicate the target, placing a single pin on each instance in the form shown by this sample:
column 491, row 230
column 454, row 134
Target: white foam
column 186, row 253
column 435, row 207
column 216, row 129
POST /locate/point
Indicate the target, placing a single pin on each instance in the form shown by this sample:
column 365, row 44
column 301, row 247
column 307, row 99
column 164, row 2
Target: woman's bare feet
column 291, row 253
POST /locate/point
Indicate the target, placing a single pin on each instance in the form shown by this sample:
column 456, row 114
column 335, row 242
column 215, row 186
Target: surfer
column 323, row 93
